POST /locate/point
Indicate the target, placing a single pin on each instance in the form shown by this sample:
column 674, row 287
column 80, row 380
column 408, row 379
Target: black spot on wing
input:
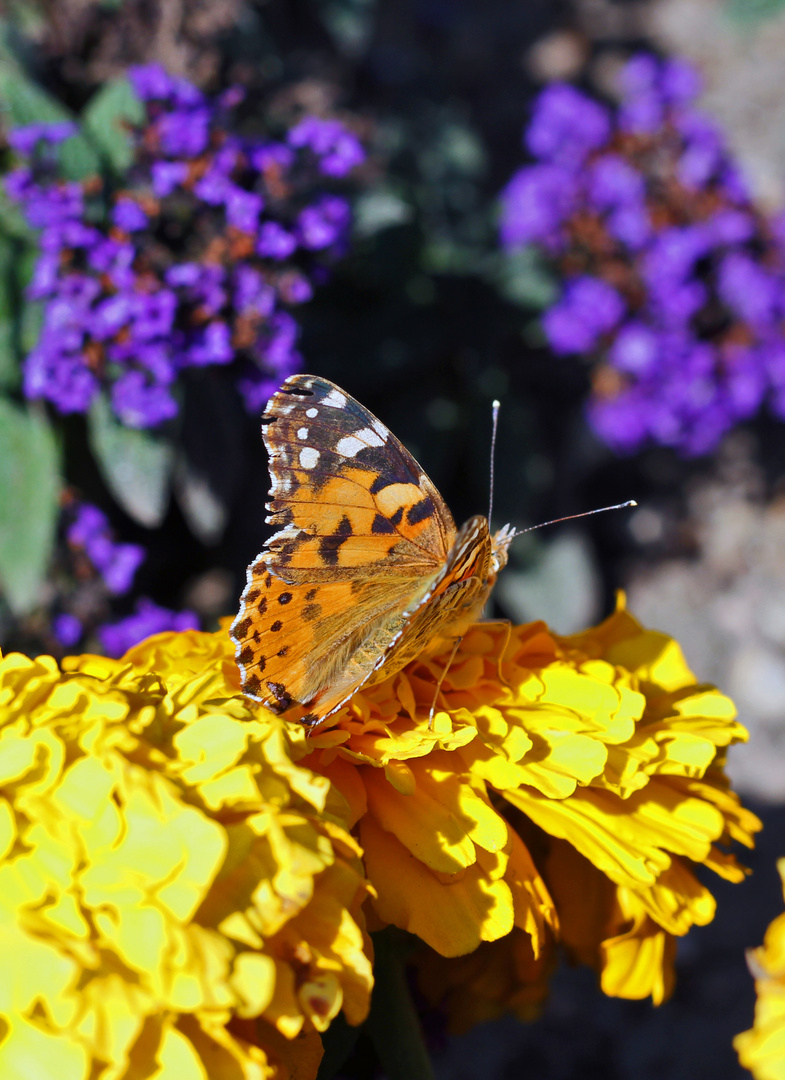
column 381, row 524
column 329, row 545
column 282, row 699
column 284, row 598
column 253, row 685
column 396, row 517
column 420, row 511
column 276, row 626
column 241, row 629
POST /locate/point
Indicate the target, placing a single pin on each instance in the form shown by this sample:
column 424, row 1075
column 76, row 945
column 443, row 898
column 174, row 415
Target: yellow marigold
column 177, row 897
column 557, row 769
column 762, row 1048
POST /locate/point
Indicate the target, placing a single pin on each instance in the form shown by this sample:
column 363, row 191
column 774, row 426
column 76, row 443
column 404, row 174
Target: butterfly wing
column 363, row 532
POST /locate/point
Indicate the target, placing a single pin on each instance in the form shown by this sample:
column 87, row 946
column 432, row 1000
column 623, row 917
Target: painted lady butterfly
column 367, row 570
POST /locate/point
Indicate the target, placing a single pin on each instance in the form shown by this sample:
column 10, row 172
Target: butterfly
column 367, row 570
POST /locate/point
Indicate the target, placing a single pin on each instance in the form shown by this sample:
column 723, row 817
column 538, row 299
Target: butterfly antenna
column 495, row 422
column 571, row 517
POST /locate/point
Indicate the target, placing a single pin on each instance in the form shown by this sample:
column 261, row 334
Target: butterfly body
column 367, row 570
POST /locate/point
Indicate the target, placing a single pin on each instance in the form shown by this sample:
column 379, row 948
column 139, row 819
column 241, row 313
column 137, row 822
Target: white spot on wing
column 302, row 433
column 312, row 413
column 308, row 457
column 335, row 399
column 380, row 430
column 350, row 445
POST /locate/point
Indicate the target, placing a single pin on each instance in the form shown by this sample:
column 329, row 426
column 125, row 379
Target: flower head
column 142, row 282
column 176, row 892
column 762, row 1048
column 645, row 206
column 190, row 871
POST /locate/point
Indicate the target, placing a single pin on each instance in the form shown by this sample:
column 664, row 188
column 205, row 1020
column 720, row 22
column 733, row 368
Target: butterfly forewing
column 363, row 534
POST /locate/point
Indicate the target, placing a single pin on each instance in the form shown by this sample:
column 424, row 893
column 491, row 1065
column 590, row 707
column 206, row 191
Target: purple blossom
column 127, row 304
column 67, row 629
column 566, row 125
column 141, row 402
column 274, row 242
column 535, row 205
column 147, row 619
column 24, row 140
column 689, row 338
column 127, row 214
column 588, row 309
column 116, row 563
column 339, row 150
column 321, row 225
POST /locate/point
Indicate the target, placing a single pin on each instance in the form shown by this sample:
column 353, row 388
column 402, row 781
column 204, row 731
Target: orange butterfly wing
column 364, row 536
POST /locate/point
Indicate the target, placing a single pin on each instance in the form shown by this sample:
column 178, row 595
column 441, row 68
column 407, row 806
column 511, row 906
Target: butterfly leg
column 442, row 677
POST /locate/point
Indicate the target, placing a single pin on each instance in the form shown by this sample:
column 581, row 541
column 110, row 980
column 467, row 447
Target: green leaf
column 29, row 487
column 136, row 465
column 9, row 359
column 105, row 119
column 28, row 103
column 393, row 1024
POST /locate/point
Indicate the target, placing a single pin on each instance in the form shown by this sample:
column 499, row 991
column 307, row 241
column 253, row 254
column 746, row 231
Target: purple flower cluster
column 197, row 260
column 672, row 281
column 147, row 619
column 100, row 568
column 89, row 532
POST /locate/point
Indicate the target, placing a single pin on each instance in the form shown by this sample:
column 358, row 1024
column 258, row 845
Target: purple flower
column 272, row 156
column 635, row 349
column 295, row 289
column 147, row 619
column 25, row 139
column 274, row 242
column 588, row 309
column 67, row 629
column 340, row 151
column 321, row 224
column 613, row 182
column 116, row 563
column 167, row 175
column 140, row 402
column 128, row 215
column 749, row 290
column 243, row 209
column 213, row 346
column 60, row 377
column 566, row 126
column 139, row 289
column 535, row 204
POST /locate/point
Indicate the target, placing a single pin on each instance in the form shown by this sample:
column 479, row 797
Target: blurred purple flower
column 125, row 308
column 147, row 619
column 67, row 629
column 671, row 279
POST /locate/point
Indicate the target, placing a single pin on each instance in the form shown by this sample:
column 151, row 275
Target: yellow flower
column 177, row 896
column 762, row 1048
column 594, row 758
column 189, row 871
